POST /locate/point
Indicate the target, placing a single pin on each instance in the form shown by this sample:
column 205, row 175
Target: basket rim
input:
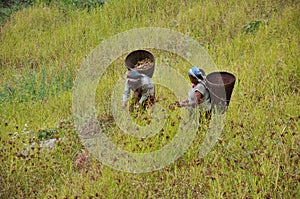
column 221, row 73
column 138, row 51
column 130, row 65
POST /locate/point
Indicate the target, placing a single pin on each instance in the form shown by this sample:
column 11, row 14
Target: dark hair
column 202, row 71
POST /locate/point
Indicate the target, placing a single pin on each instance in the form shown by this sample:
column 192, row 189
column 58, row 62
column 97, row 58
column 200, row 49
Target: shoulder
column 145, row 76
column 146, row 79
column 200, row 87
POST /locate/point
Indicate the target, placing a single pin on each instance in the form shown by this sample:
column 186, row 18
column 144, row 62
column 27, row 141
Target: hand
column 180, row 104
column 172, row 106
column 137, row 105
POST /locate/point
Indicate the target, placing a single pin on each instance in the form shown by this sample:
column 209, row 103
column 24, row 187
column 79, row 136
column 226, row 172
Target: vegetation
column 7, row 7
column 257, row 155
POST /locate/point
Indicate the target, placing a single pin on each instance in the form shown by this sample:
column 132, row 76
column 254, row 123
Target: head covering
column 197, row 73
column 134, row 75
column 133, row 78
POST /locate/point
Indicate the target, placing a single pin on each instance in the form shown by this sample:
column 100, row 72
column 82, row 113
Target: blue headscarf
column 134, row 75
column 196, row 72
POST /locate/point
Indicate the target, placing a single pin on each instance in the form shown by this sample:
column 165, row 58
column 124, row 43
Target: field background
column 257, row 156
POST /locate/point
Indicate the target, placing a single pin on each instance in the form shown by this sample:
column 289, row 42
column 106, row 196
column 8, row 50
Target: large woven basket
column 220, row 85
column 139, row 55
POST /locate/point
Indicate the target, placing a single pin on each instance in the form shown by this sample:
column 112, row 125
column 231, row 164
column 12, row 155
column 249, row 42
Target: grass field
column 257, row 154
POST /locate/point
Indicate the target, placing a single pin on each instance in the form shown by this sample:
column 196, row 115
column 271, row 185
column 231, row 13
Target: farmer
column 142, row 87
column 198, row 95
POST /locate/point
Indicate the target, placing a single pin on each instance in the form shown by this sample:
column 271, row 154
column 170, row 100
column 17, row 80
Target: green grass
column 257, row 154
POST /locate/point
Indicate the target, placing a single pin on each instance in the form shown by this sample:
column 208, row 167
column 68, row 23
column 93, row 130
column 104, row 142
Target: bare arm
column 198, row 97
column 197, row 100
column 126, row 95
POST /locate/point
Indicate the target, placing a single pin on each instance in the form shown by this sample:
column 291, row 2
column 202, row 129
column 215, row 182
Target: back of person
column 141, row 85
column 205, row 105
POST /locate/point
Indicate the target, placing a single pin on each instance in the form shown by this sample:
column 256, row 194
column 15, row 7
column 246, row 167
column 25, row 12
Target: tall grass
column 257, row 155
